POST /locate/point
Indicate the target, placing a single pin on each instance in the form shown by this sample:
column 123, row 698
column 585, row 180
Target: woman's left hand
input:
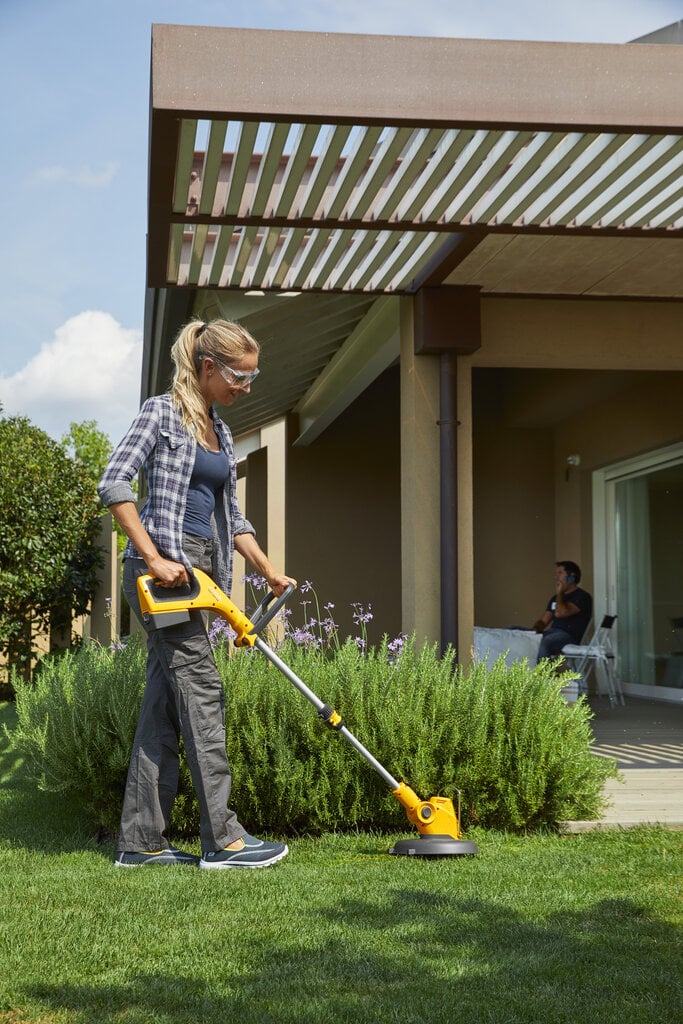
column 278, row 583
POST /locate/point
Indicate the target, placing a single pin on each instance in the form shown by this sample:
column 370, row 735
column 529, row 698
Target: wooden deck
column 646, row 738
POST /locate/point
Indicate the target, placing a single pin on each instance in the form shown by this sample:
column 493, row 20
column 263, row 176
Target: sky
column 74, row 77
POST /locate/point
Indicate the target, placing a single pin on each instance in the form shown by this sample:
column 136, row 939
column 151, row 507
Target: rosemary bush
column 505, row 738
column 76, row 722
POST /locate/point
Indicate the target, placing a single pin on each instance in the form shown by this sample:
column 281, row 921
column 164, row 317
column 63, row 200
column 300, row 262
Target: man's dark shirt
column 576, row 624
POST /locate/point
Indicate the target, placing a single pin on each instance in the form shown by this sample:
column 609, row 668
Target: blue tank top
column 210, row 472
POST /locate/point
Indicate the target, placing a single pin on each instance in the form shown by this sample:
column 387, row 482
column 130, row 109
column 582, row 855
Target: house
column 464, row 262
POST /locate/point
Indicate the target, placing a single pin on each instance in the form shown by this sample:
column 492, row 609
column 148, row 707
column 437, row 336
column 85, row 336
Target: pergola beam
column 319, row 77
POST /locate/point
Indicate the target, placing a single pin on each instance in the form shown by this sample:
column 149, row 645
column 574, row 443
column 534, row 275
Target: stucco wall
column 343, row 510
column 514, row 510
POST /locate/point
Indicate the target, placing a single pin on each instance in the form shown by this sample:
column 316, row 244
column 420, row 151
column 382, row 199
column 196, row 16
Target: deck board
column 646, row 738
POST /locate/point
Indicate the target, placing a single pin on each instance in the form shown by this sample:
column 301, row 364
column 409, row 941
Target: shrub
column 49, row 522
column 506, row 738
column 76, row 722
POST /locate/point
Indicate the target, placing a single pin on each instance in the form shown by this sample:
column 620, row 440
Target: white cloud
column 83, row 177
column 89, row 370
column 614, row 21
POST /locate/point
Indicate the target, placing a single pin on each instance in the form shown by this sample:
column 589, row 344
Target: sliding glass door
column 640, row 516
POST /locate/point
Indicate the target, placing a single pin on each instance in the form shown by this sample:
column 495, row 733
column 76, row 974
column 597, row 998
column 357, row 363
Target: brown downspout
column 448, row 491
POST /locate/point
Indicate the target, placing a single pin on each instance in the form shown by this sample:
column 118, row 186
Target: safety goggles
column 236, row 378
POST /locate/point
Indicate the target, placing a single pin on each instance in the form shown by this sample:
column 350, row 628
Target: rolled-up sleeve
column 130, row 454
column 239, row 523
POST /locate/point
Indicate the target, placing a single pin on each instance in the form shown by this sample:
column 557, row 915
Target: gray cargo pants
column 183, row 697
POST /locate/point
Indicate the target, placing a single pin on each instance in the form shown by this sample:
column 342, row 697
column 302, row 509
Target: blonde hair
column 219, row 339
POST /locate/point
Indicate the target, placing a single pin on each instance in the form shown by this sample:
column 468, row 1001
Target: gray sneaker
column 256, row 853
column 129, row 859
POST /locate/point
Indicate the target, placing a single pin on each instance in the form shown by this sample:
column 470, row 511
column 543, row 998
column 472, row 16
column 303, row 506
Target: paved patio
column 646, row 738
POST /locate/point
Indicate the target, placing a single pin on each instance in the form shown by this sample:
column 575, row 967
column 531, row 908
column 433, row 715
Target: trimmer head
column 433, row 846
column 438, row 824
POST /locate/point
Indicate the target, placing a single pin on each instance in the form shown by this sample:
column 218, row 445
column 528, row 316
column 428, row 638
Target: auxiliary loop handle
column 261, row 617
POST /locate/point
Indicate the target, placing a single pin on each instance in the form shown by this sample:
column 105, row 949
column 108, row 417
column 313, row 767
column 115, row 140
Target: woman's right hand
column 167, row 573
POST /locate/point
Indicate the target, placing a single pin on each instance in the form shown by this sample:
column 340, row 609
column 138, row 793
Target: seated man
column 568, row 612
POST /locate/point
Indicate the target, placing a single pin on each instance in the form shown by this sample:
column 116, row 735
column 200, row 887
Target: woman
column 190, row 518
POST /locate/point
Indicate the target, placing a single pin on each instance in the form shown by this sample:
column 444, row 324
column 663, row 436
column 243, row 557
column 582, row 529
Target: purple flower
column 360, row 643
column 306, row 586
column 395, row 646
column 220, row 632
column 329, row 625
column 256, row 581
column 304, row 638
column 360, row 616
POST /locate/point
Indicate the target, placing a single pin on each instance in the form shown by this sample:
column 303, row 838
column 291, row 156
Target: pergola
column 343, row 172
column 338, row 165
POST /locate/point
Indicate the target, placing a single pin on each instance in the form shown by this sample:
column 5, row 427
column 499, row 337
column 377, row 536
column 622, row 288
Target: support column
column 239, row 565
column 262, row 493
column 104, row 612
column 274, row 439
column 420, row 518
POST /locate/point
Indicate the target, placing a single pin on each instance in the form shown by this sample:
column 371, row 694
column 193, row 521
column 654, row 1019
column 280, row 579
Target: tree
column 89, row 447
column 49, row 523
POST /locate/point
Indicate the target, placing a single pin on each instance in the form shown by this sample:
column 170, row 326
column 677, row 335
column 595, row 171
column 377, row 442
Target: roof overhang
column 292, row 162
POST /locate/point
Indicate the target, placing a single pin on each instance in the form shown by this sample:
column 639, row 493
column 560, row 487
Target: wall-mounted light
column 572, row 460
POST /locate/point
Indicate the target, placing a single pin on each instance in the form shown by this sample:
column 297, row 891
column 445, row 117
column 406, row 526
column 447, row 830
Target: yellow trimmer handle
column 168, row 606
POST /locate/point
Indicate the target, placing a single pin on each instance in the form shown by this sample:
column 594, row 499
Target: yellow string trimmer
column 435, row 819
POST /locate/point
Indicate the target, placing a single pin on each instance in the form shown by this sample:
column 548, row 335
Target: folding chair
column 597, row 652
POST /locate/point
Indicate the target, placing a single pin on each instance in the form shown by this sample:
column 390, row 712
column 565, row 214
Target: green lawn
column 543, row 929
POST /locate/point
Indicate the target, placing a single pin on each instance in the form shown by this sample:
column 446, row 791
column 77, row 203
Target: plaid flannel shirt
column 158, row 444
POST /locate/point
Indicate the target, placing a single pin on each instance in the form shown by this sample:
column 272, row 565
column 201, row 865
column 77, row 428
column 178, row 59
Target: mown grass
column 535, row 929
